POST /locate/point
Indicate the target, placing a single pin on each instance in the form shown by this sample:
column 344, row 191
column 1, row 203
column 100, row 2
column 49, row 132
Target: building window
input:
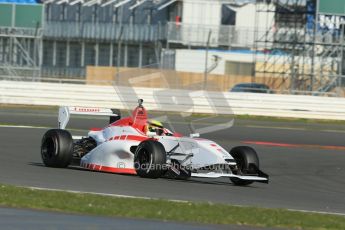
column 238, row 68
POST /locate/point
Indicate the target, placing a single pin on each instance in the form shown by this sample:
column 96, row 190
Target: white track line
column 171, row 200
column 36, row 127
column 333, row 131
column 23, row 126
column 275, row 127
column 317, row 212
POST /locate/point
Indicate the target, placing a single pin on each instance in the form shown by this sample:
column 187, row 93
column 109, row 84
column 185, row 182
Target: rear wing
column 66, row 111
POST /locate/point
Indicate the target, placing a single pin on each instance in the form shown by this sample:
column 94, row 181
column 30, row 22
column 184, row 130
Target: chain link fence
column 221, row 35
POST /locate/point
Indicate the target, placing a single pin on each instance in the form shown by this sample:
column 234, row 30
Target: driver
column 155, row 127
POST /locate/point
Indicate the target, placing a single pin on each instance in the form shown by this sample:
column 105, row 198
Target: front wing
column 218, row 175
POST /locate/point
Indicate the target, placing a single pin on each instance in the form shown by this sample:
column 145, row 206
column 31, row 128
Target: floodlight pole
column 206, row 59
column 315, row 31
column 119, row 56
column 340, row 77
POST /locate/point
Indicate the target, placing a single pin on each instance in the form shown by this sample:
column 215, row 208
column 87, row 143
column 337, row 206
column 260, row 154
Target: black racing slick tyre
column 247, row 163
column 57, row 148
column 150, row 159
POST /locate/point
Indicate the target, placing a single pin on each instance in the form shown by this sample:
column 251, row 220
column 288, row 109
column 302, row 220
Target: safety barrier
column 37, row 93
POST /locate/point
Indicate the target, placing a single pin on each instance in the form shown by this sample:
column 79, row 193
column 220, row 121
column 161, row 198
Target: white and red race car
column 127, row 146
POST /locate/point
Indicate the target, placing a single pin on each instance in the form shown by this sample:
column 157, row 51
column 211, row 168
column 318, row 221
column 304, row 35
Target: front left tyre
column 57, row 148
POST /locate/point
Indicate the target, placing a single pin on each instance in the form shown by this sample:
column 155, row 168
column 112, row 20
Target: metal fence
column 196, row 35
column 104, row 31
column 69, row 47
column 243, row 37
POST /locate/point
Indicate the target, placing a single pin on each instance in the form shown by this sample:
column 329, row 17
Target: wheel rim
column 48, row 148
column 240, row 163
column 144, row 160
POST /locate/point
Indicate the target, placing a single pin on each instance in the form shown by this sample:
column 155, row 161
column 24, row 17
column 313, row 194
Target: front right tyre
column 247, row 162
column 57, row 148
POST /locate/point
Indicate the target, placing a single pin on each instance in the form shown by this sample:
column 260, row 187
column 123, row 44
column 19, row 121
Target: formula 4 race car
column 134, row 145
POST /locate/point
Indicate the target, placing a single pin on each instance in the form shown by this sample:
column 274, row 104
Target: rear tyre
column 150, row 159
column 57, row 148
column 247, row 163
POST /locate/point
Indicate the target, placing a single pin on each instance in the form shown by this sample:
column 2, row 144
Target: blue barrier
column 19, row 1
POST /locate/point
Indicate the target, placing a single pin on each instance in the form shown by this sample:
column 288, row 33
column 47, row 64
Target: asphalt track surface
column 11, row 218
column 308, row 175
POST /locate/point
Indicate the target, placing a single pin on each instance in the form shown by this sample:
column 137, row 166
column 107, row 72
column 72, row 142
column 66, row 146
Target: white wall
column 198, row 18
column 204, row 12
column 201, row 16
column 38, row 93
column 245, row 16
column 194, row 60
column 208, row 12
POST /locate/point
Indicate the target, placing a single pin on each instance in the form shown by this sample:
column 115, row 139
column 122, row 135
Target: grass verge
column 204, row 213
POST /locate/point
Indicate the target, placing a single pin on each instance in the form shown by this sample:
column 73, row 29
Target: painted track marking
column 24, row 126
column 277, row 144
